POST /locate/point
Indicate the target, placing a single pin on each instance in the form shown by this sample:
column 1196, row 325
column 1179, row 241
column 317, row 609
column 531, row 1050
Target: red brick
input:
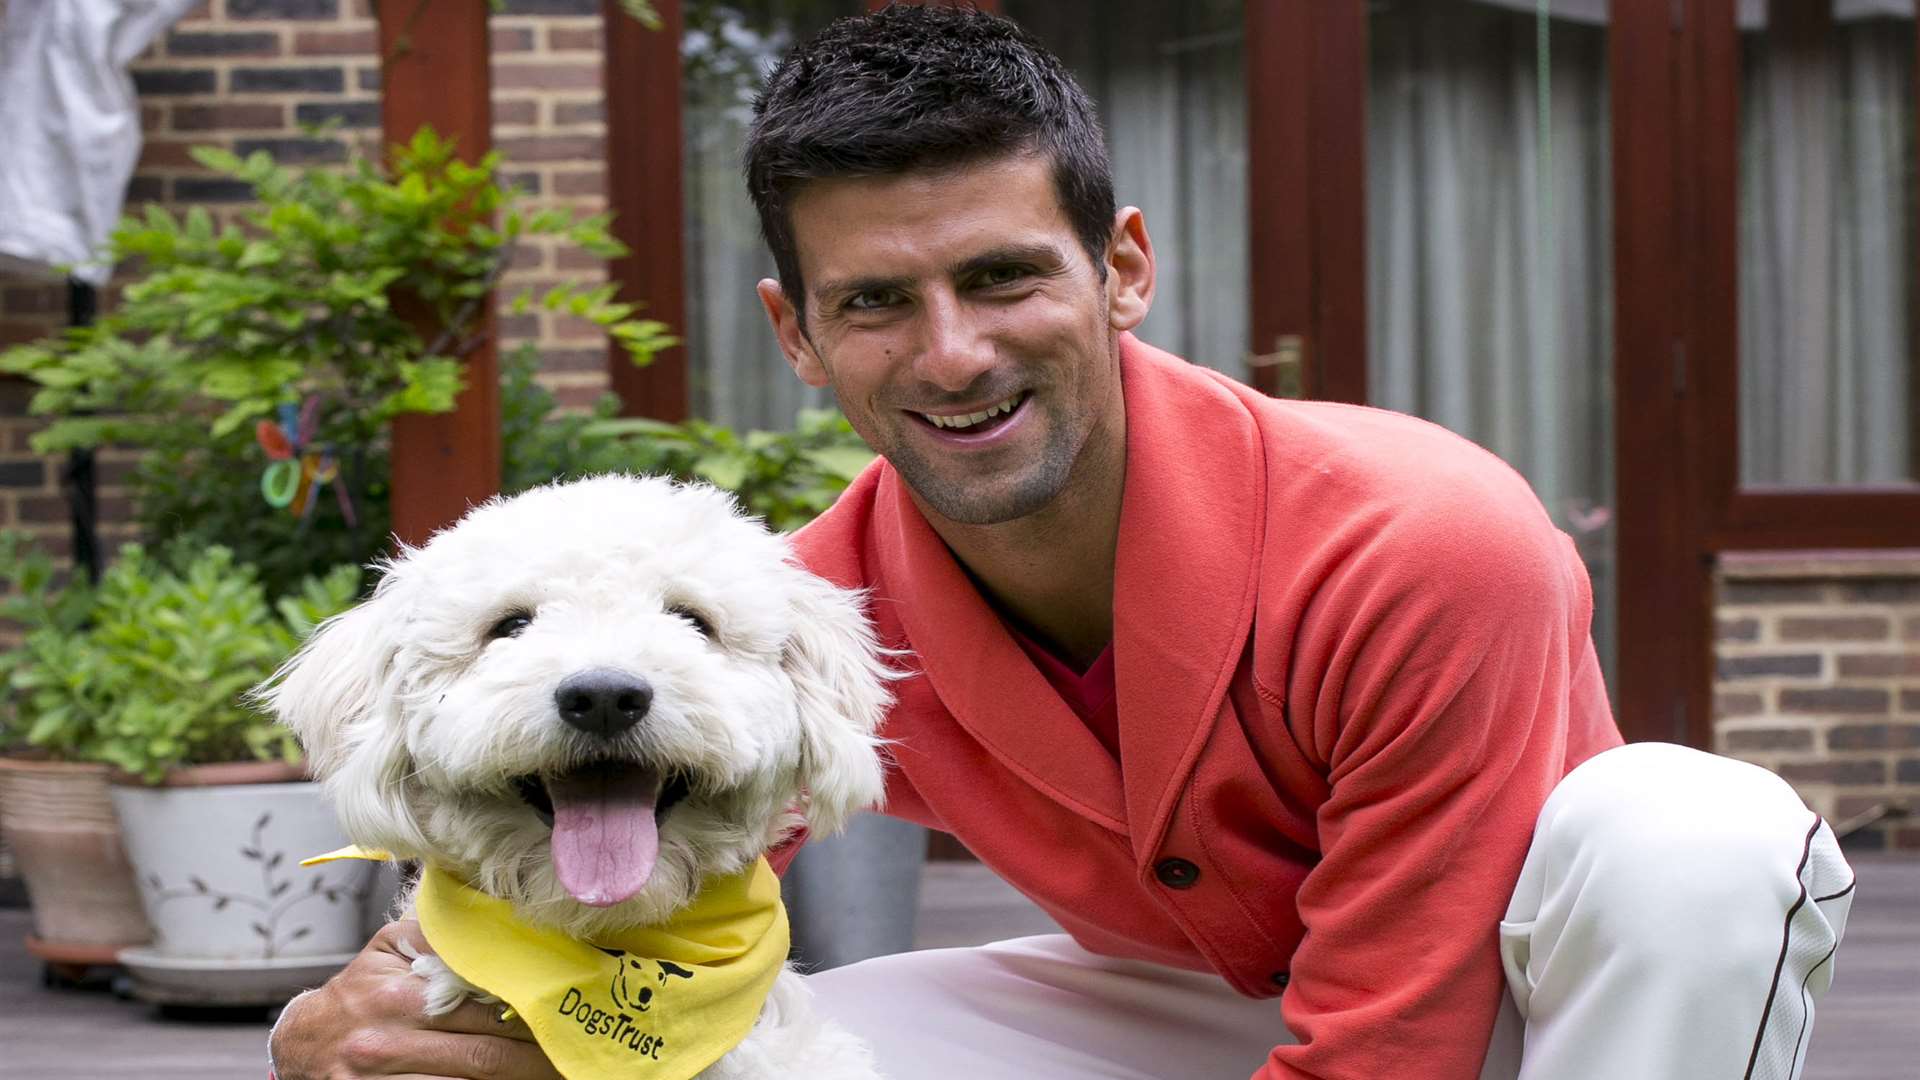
column 573, row 361
column 19, row 333
column 1797, row 665
column 561, row 38
column 1859, row 700
column 1906, row 838
column 1835, row 772
column 34, row 299
column 578, row 261
column 1911, row 628
column 1873, row 737
column 519, row 327
column 526, row 258
column 578, row 397
column 1879, row 665
column 521, row 149
column 520, row 111
column 1781, row 738
column 42, row 509
column 336, row 42
column 1738, row 704
column 167, row 154
column 506, row 39
column 578, row 75
column 152, row 118
column 1910, row 701
column 1835, row 628
column 574, row 113
column 1771, row 592
column 586, row 182
column 572, row 329
column 252, row 116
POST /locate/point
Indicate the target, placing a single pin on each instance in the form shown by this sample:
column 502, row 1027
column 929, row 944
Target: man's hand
column 370, row 1021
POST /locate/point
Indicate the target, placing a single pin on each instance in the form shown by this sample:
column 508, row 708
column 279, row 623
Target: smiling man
column 1286, row 711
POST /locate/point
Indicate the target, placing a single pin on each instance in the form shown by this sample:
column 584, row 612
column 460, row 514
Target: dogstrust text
column 628, row 990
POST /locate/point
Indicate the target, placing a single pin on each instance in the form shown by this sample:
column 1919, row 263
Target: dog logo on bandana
column 630, row 987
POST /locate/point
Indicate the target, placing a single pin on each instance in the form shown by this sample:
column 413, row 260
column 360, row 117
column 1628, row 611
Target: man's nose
column 956, row 350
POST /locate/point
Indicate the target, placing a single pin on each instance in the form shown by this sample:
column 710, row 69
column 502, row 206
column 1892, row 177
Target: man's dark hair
column 910, row 87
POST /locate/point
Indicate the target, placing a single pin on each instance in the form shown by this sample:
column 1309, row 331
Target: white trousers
column 1676, row 919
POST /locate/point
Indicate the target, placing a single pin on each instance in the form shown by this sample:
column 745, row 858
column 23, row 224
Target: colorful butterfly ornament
column 296, row 468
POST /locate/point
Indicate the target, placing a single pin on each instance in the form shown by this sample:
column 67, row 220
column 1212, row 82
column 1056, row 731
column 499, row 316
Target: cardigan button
column 1177, row 873
column 1281, row 979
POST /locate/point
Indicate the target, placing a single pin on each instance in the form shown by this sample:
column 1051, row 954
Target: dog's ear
column 841, row 683
column 333, row 683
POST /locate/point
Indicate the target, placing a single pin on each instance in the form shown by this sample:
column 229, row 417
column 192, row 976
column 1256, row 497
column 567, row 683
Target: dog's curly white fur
column 419, row 720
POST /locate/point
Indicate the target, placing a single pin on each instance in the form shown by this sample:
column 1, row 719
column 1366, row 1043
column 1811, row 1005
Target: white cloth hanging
column 69, row 126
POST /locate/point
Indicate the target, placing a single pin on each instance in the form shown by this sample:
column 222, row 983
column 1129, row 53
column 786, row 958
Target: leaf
column 280, row 889
column 221, row 904
column 300, row 932
column 249, row 852
column 265, row 819
column 198, row 885
column 278, row 858
column 262, row 931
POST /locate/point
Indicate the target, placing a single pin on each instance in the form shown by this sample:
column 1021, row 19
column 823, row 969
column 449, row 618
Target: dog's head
column 591, row 696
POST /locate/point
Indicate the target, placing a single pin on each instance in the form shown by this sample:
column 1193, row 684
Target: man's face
column 966, row 333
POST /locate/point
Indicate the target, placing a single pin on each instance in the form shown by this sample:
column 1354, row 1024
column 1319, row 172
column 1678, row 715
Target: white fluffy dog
column 588, row 698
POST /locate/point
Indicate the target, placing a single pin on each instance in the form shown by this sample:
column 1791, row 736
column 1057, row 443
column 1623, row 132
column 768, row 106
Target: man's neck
column 1052, row 572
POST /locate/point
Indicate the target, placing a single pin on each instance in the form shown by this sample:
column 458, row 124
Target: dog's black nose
column 604, row 702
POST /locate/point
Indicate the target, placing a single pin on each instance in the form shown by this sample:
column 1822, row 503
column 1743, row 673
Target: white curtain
column 1489, row 256
column 1826, row 254
column 736, row 371
column 1169, row 81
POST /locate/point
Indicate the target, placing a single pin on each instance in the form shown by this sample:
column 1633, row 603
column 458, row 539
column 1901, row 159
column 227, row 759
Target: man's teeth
column 970, row 419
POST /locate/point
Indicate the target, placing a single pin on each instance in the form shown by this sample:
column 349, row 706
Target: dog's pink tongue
column 605, row 839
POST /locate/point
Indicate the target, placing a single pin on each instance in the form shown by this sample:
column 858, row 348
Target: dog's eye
column 510, row 626
column 698, row 620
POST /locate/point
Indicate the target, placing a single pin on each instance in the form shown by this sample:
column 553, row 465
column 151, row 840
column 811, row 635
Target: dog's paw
column 445, row 988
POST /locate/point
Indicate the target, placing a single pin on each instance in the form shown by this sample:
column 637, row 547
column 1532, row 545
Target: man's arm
column 1446, row 666
column 370, row 1020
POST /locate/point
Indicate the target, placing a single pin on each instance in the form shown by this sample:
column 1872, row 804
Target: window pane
column 1169, row 81
column 734, row 365
column 1827, row 368
column 1490, row 270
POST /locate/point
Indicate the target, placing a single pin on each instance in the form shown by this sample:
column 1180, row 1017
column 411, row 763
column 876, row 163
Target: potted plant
column 142, row 674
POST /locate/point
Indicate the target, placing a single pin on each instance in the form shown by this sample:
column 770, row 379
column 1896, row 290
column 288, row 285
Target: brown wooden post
column 644, row 191
column 1664, row 675
column 434, row 70
column 1306, row 184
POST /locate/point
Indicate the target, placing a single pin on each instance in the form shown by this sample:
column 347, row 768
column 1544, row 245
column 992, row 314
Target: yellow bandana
column 658, row 1002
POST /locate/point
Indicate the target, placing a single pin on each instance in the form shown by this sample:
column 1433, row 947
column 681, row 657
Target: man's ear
column 791, row 334
column 1129, row 270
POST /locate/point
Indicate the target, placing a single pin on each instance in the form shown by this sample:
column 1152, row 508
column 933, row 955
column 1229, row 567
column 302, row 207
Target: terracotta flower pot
column 66, row 840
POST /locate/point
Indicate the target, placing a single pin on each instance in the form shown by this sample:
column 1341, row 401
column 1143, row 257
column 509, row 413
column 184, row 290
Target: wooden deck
column 1869, row 1026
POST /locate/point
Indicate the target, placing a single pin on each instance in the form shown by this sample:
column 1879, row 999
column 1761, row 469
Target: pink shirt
column 1350, row 658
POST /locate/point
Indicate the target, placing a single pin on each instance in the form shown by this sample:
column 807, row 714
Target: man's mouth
column 605, row 818
column 978, row 422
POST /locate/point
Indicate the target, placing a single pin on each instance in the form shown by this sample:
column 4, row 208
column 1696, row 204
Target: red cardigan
column 1352, row 658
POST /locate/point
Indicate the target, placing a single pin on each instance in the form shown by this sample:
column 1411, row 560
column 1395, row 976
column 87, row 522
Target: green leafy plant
column 301, row 324
column 145, row 669
column 786, row 477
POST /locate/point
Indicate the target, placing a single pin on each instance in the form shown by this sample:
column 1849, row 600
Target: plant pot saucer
column 227, row 981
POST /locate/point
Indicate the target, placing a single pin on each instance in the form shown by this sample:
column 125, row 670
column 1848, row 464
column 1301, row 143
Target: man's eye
column 1002, row 275
column 872, row 300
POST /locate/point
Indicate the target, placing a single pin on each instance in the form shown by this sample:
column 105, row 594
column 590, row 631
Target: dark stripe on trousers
column 1786, row 935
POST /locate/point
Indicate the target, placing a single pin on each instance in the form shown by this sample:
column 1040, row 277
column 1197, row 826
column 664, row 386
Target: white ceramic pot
column 219, row 871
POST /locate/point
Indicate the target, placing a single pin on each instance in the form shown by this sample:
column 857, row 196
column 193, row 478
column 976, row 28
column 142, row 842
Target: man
column 1258, row 699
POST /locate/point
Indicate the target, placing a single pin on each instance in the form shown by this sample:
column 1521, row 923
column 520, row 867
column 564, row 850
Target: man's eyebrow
column 1037, row 252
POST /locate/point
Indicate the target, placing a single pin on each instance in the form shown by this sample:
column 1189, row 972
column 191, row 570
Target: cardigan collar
column 1190, row 533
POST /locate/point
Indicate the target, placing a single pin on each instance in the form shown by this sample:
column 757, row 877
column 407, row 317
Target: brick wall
column 247, row 74
column 1819, row 679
